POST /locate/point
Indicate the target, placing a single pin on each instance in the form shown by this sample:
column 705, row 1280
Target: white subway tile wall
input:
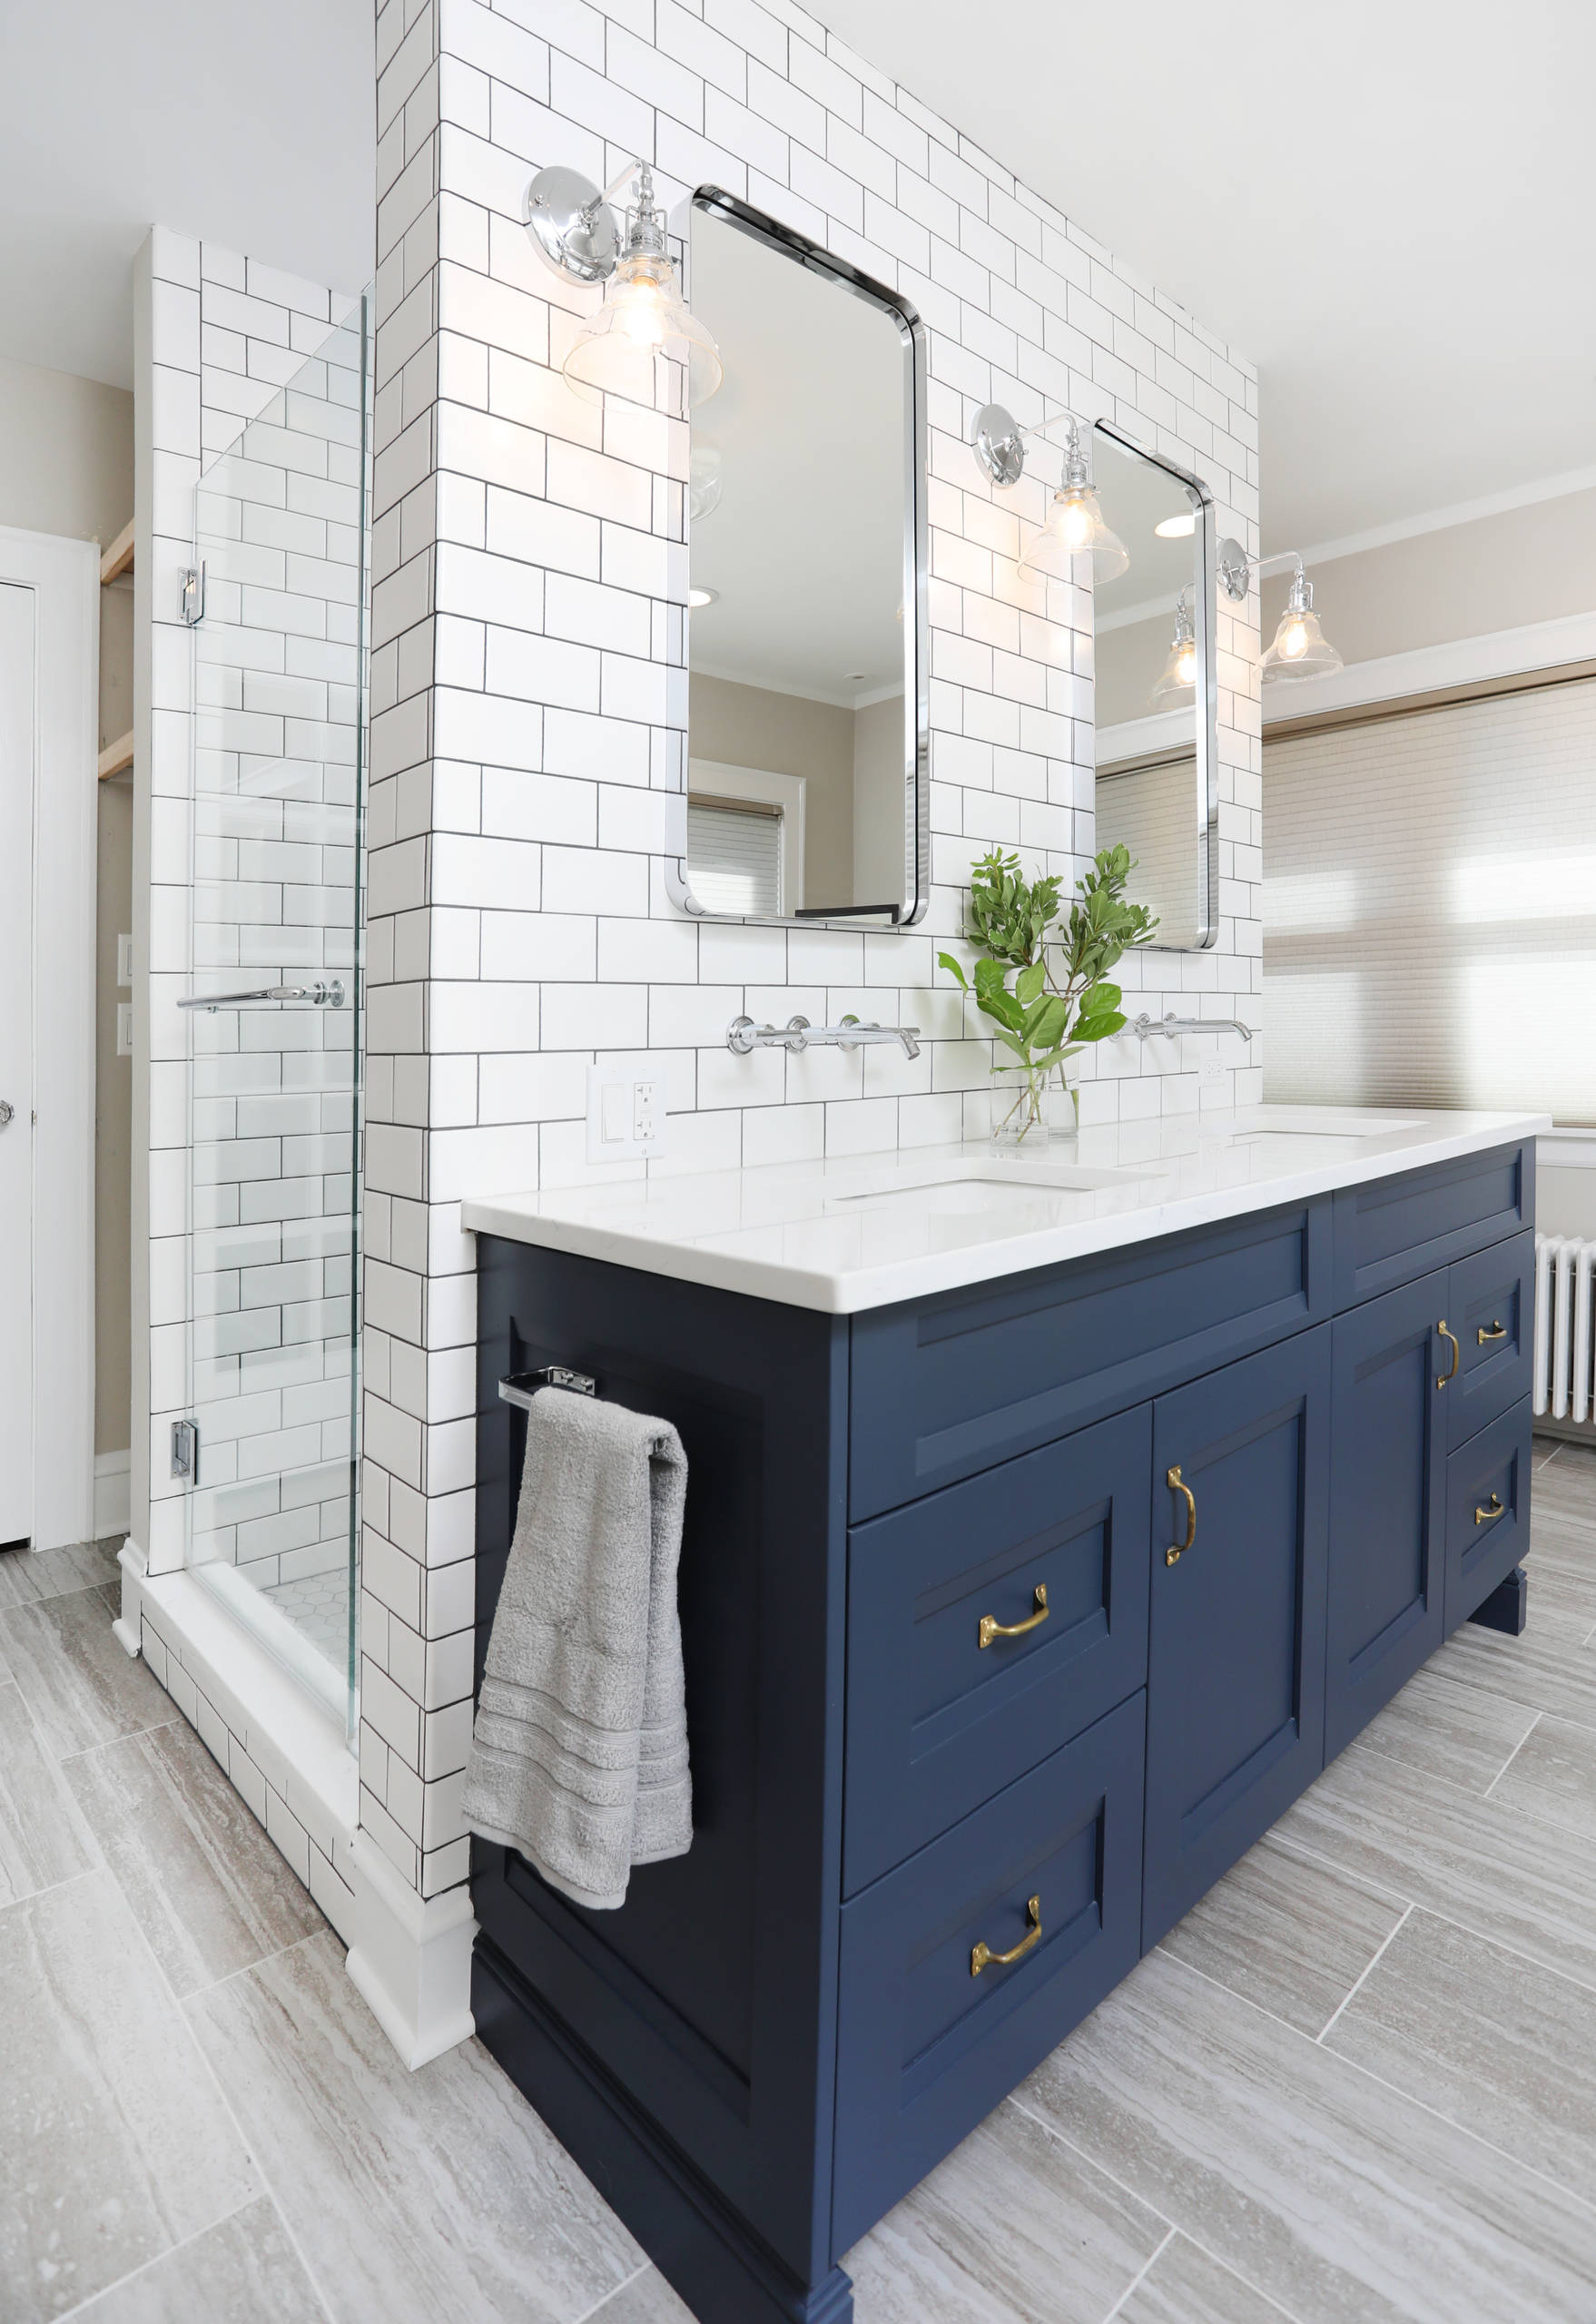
column 529, row 701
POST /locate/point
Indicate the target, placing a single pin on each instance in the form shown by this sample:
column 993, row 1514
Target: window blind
column 1153, row 811
column 735, row 856
column 1430, row 907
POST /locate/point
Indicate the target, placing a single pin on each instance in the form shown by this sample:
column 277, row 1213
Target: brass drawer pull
column 1497, row 1332
column 992, row 1628
column 1177, row 1550
column 983, row 1958
column 1443, row 1377
column 1484, row 1516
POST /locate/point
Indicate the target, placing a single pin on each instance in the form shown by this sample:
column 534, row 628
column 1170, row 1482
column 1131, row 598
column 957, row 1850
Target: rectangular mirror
column 807, row 789
column 1156, row 786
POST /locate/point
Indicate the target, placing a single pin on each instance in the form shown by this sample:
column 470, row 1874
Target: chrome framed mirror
column 1155, row 694
column 807, row 641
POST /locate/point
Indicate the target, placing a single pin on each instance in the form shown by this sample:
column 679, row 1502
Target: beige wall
column 880, row 793
column 785, row 735
column 68, row 470
column 1526, row 565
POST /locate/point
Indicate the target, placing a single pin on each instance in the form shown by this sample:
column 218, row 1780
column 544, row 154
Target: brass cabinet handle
column 1177, row 1550
column 982, row 1956
column 1497, row 1509
column 1443, row 1377
column 992, row 1628
column 1497, row 1332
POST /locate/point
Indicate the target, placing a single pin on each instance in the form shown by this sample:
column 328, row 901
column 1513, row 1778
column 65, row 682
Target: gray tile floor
column 1357, row 2083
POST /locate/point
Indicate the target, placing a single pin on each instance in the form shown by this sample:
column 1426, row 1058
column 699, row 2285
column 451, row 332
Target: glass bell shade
column 1301, row 649
column 1076, row 528
column 1179, row 674
column 642, row 319
column 704, row 481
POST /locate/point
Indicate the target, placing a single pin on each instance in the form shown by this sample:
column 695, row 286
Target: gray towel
column 579, row 1754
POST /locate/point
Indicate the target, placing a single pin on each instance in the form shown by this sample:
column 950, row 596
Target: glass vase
column 1029, row 1109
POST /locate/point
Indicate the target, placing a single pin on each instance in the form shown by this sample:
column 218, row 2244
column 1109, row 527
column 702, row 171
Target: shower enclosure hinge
column 186, row 1451
column 192, row 578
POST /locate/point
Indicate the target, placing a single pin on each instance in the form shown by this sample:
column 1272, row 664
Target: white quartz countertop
column 867, row 1230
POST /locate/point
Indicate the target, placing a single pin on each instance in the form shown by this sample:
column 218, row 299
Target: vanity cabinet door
column 1491, row 1306
column 958, row 1679
column 1487, row 1511
column 1236, row 1676
column 961, row 1970
column 1387, row 1499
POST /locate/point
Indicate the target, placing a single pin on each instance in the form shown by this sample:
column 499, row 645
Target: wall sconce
column 573, row 227
column 1076, row 525
column 1179, row 674
column 1301, row 649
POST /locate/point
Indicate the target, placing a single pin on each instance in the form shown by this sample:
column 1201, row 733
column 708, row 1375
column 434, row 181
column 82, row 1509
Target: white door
column 18, row 720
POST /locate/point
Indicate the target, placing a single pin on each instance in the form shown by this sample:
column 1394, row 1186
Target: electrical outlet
column 625, row 1111
column 1212, row 1073
column 124, row 1029
column 124, row 959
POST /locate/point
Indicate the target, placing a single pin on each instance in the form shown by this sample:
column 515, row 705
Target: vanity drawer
column 937, row 1722
column 925, row 2049
column 942, row 1388
column 1491, row 1295
column 1394, row 1229
column 1491, row 1472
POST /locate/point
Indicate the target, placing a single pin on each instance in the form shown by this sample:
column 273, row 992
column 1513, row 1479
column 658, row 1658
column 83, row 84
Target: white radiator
column 1562, row 1327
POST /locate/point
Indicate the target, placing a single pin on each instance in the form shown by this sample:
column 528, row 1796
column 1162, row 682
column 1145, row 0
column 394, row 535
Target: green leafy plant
column 1049, row 1013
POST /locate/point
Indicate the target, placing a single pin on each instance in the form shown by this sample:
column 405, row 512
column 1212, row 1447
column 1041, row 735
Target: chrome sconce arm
column 999, row 442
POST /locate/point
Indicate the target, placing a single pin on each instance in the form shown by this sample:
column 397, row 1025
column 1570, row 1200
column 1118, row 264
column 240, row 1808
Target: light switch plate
column 124, row 959
column 625, row 1111
column 124, row 1029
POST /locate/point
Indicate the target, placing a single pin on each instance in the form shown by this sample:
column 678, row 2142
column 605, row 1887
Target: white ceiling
column 251, row 121
column 1385, row 204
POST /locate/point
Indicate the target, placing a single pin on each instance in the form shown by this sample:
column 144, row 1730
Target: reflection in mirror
column 806, row 792
column 1154, row 689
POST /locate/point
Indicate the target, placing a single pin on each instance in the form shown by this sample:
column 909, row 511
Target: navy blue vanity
column 1012, row 1617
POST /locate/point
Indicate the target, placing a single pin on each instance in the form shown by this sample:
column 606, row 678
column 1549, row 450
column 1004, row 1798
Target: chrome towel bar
column 520, row 1387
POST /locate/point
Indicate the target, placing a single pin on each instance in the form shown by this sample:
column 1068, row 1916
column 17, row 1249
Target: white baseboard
column 410, row 1956
column 113, row 1493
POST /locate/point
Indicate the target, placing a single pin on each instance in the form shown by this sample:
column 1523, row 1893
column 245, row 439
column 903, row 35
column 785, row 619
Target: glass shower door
column 275, row 1063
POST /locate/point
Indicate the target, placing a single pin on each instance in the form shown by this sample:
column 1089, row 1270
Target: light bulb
column 1294, row 642
column 1075, row 525
column 1186, row 666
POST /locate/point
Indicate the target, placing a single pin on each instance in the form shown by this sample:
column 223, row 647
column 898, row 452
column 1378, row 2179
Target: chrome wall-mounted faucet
column 1146, row 1027
column 744, row 1036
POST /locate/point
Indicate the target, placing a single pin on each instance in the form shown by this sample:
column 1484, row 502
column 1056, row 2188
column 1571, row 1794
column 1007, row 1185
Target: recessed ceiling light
column 1178, row 528
column 697, row 597
column 854, row 677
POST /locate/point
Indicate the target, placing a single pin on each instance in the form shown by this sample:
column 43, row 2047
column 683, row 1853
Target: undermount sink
column 975, row 1181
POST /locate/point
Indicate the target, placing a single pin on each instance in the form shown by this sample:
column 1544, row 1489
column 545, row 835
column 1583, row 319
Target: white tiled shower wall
column 529, row 704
